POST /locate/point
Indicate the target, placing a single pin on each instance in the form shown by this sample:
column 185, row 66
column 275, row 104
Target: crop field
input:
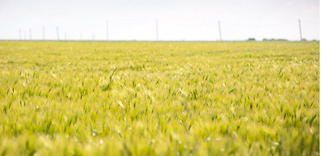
column 159, row 98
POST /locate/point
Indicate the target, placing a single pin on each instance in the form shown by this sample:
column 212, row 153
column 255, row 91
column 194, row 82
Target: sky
column 159, row 19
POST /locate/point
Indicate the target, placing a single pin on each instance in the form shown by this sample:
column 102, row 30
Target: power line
column 25, row 34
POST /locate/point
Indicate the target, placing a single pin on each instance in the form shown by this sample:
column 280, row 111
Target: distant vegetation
column 272, row 39
column 159, row 98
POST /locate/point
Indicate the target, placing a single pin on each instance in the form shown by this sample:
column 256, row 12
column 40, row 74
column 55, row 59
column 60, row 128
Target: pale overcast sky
column 177, row 19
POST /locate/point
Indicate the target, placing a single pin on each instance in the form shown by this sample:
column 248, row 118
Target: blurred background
column 188, row 20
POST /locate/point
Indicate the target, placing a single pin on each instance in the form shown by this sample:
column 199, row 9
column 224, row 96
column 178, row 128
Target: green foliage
column 159, row 98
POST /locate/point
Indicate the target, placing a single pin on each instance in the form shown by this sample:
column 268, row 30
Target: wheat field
column 159, row 98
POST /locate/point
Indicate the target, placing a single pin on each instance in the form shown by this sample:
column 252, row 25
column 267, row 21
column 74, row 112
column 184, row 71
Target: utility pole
column 43, row 33
column 30, row 34
column 93, row 36
column 156, row 26
column 57, row 32
column 300, row 30
column 20, row 34
column 219, row 29
column 65, row 36
column 107, row 32
column 24, row 35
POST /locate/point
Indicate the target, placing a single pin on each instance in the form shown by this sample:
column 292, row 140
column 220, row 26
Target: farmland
column 159, row 98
